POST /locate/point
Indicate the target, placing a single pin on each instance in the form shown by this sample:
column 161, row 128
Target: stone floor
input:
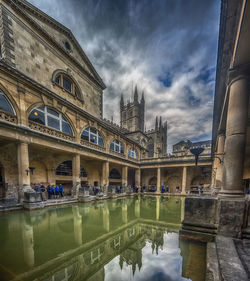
column 228, row 260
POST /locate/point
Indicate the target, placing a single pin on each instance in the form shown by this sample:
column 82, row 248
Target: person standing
column 61, row 190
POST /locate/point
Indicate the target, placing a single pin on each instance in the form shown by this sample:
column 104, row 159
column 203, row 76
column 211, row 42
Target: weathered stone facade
column 51, row 115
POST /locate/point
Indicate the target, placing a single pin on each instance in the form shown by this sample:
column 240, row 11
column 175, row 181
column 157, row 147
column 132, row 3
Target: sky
column 168, row 48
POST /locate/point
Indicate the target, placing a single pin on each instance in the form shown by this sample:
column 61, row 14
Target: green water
column 133, row 238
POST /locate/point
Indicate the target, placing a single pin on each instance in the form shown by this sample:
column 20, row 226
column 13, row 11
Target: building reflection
column 76, row 242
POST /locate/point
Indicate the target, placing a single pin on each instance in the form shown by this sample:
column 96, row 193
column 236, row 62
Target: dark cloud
column 167, row 47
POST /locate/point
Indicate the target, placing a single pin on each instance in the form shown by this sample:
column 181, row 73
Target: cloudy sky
column 167, row 47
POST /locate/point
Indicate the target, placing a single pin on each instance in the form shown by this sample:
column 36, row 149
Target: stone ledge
column 230, row 264
column 212, row 270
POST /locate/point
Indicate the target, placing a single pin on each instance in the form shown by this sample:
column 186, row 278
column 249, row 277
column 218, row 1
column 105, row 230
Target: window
column 5, row 104
column 64, row 81
column 51, row 118
column 132, row 153
column 116, row 146
column 67, row 46
column 92, row 135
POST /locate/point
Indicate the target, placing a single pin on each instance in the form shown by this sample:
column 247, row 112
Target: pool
column 134, row 238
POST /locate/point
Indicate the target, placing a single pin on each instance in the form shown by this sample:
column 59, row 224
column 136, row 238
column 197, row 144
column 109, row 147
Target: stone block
column 231, row 217
column 31, row 197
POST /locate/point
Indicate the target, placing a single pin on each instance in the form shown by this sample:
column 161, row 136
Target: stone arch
column 11, row 101
column 152, row 180
column 172, row 182
column 69, row 76
column 114, row 174
column 197, row 180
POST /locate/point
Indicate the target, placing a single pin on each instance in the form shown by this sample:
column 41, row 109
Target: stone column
column 138, row 177
column 235, row 142
column 124, row 176
column 76, row 177
column 184, row 180
column 158, row 186
column 105, row 176
column 23, row 165
column 218, row 165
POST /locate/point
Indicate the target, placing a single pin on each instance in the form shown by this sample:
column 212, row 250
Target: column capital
column 238, row 72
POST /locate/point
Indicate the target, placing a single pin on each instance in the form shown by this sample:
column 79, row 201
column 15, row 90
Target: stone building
column 132, row 116
column 52, row 128
column 182, row 148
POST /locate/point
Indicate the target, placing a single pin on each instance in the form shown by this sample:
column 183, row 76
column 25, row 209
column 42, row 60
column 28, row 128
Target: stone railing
column 49, row 131
column 122, row 155
column 92, row 145
column 6, row 116
column 177, row 158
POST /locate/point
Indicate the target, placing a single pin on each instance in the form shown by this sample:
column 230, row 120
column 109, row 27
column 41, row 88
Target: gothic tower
column 132, row 113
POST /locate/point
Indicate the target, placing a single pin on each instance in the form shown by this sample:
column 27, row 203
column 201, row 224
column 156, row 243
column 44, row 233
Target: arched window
column 5, row 105
column 51, row 118
column 114, row 174
column 132, row 153
column 116, row 146
column 92, row 135
column 65, row 169
column 66, row 82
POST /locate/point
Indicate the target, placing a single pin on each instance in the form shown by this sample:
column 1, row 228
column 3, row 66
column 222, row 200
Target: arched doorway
column 115, row 178
column 172, row 182
column 2, row 182
column 152, row 181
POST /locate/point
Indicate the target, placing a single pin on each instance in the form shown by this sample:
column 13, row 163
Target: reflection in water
column 123, row 239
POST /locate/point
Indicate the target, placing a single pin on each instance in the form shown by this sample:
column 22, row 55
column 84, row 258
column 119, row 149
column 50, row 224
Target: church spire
column 156, row 123
column 142, row 98
column 160, row 124
column 136, row 94
column 121, row 101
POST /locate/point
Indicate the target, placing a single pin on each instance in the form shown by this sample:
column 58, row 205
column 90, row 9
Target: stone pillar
column 23, row 165
column 235, row 142
column 138, row 177
column 184, row 180
column 124, row 176
column 157, row 210
column 76, row 177
column 218, row 165
column 158, row 186
column 105, row 176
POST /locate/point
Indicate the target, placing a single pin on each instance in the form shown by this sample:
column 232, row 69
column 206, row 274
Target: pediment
column 61, row 35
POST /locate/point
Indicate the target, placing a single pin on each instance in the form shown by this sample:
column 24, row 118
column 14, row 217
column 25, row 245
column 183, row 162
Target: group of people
column 53, row 191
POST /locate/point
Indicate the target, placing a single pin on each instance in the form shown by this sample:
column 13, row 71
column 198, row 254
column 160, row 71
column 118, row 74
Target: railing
column 49, row 131
column 122, row 155
column 8, row 117
column 92, row 145
column 206, row 157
